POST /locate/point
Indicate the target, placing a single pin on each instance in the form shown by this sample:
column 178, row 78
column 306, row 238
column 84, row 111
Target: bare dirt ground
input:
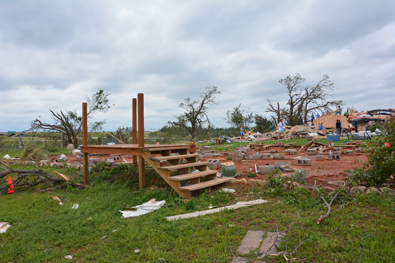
column 328, row 172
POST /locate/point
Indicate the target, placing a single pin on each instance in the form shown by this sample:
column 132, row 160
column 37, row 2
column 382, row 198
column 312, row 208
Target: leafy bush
column 381, row 160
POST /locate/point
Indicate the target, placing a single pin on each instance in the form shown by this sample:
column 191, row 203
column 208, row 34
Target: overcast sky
column 53, row 53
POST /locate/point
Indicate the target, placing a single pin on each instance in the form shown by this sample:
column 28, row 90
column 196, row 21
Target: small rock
column 372, row 190
column 354, row 190
column 252, row 182
column 232, row 180
column 70, row 147
column 242, row 181
column 62, row 157
column 261, row 182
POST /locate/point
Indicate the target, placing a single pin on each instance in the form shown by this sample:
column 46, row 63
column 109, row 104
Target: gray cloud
column 56, row 52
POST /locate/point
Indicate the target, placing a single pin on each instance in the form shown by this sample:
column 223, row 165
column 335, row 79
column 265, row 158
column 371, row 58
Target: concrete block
column 208, row 155
column 257, row 156
column 74, row 152
column 223, row 154
column 237, row 153
column 278, row 156
column 336, row 156
column 266, row 169
column 278, row 164
column 110, row 161
column 78, row 158
column 330, row 157
column 94, row 160
column 266, row 156
column 243, row 150
column 291, row 151
column 358, row 150
column 320, row 157
column 251, row 241
column 312, row 151
column 237, row 158
column 214, row 164
column 304, row 161
column 337, row 153
column 349, row 152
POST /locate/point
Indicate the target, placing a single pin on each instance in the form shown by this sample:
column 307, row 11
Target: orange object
column 10, row 186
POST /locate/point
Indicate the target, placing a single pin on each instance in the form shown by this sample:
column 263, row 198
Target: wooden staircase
column 179, row 176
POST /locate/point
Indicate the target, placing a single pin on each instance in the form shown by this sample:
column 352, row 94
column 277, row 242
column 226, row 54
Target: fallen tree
column 25, row 179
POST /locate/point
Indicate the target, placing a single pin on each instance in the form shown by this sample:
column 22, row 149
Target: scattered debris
column 228, row 190
column 68, row 257
column 4, row 226
column 58, row 199
column 143, row 209
column 7, row 157
column 229, row 207
column 75, row 206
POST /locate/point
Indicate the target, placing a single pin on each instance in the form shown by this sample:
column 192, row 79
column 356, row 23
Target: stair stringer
column 164, row 174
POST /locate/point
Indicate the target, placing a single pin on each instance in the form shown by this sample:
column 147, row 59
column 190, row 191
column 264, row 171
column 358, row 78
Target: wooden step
column 173, row 157
column 203, row 185
column 192, row 176
column 181, row 166
column 158, row 149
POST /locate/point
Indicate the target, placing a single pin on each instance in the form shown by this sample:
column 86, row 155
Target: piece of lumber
column 65, row 177
column 158, row 149
column 203, row 185
column 216, row 210
column 181, row 166
column 184, row 177
column 307, row 145
column 173, row 157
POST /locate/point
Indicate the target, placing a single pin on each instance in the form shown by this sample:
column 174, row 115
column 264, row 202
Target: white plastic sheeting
column 143, row 209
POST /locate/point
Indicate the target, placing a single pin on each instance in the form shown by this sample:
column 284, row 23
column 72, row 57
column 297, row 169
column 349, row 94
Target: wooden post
column 134, row 128
column 140, row 98
column 85, row 140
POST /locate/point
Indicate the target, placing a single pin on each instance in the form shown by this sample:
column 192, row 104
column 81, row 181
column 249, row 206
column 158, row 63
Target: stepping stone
column 251, row 241
column 270, row 242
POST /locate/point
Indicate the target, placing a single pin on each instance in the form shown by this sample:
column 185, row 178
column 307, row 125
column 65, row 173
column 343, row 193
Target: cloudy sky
column 53, row 53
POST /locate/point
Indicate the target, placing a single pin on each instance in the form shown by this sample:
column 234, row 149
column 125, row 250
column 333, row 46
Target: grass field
column 359, row 229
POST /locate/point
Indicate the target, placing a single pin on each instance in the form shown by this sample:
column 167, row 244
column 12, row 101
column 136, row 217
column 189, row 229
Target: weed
column 251, row 175
column 300, row 176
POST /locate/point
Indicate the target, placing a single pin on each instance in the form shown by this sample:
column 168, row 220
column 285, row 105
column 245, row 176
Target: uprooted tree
column 70, row 122
column 195, row 112
column 303, row 99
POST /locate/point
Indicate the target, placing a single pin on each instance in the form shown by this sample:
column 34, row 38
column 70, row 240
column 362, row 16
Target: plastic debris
column 103, row 237
column 3, row 227
column 7, row 157
column 62, row 157
column 68, row 257
column 143, row 209
column 228, row 190
column 75, row 206
column 58, row 199
column 136, row 251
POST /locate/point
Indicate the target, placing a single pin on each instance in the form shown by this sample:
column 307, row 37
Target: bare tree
column 303, row 99
column 70, row 123
column 195, row 112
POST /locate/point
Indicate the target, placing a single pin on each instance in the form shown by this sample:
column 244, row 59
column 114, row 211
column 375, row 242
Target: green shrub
column 381, row 160
column 251, row 175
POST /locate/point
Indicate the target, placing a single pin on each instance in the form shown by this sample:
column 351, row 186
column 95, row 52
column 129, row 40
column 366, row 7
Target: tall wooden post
column 140, row 98
column 134, row 128
column 85, row 140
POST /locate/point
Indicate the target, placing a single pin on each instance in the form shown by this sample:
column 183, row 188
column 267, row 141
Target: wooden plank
column 203, row 185
column 192, row 176
column 329, row 121
column 173, row 157
column 157, row 149
column 181, row 166
column 216, row 210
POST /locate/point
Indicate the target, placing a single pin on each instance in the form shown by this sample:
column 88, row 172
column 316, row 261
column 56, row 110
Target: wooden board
column 173, row 157
column 329, row 121
column 204, row 184
column 181, row 166
column 192, row 176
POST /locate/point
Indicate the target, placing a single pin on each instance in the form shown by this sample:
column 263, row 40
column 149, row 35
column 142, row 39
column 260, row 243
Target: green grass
column 360, row 228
